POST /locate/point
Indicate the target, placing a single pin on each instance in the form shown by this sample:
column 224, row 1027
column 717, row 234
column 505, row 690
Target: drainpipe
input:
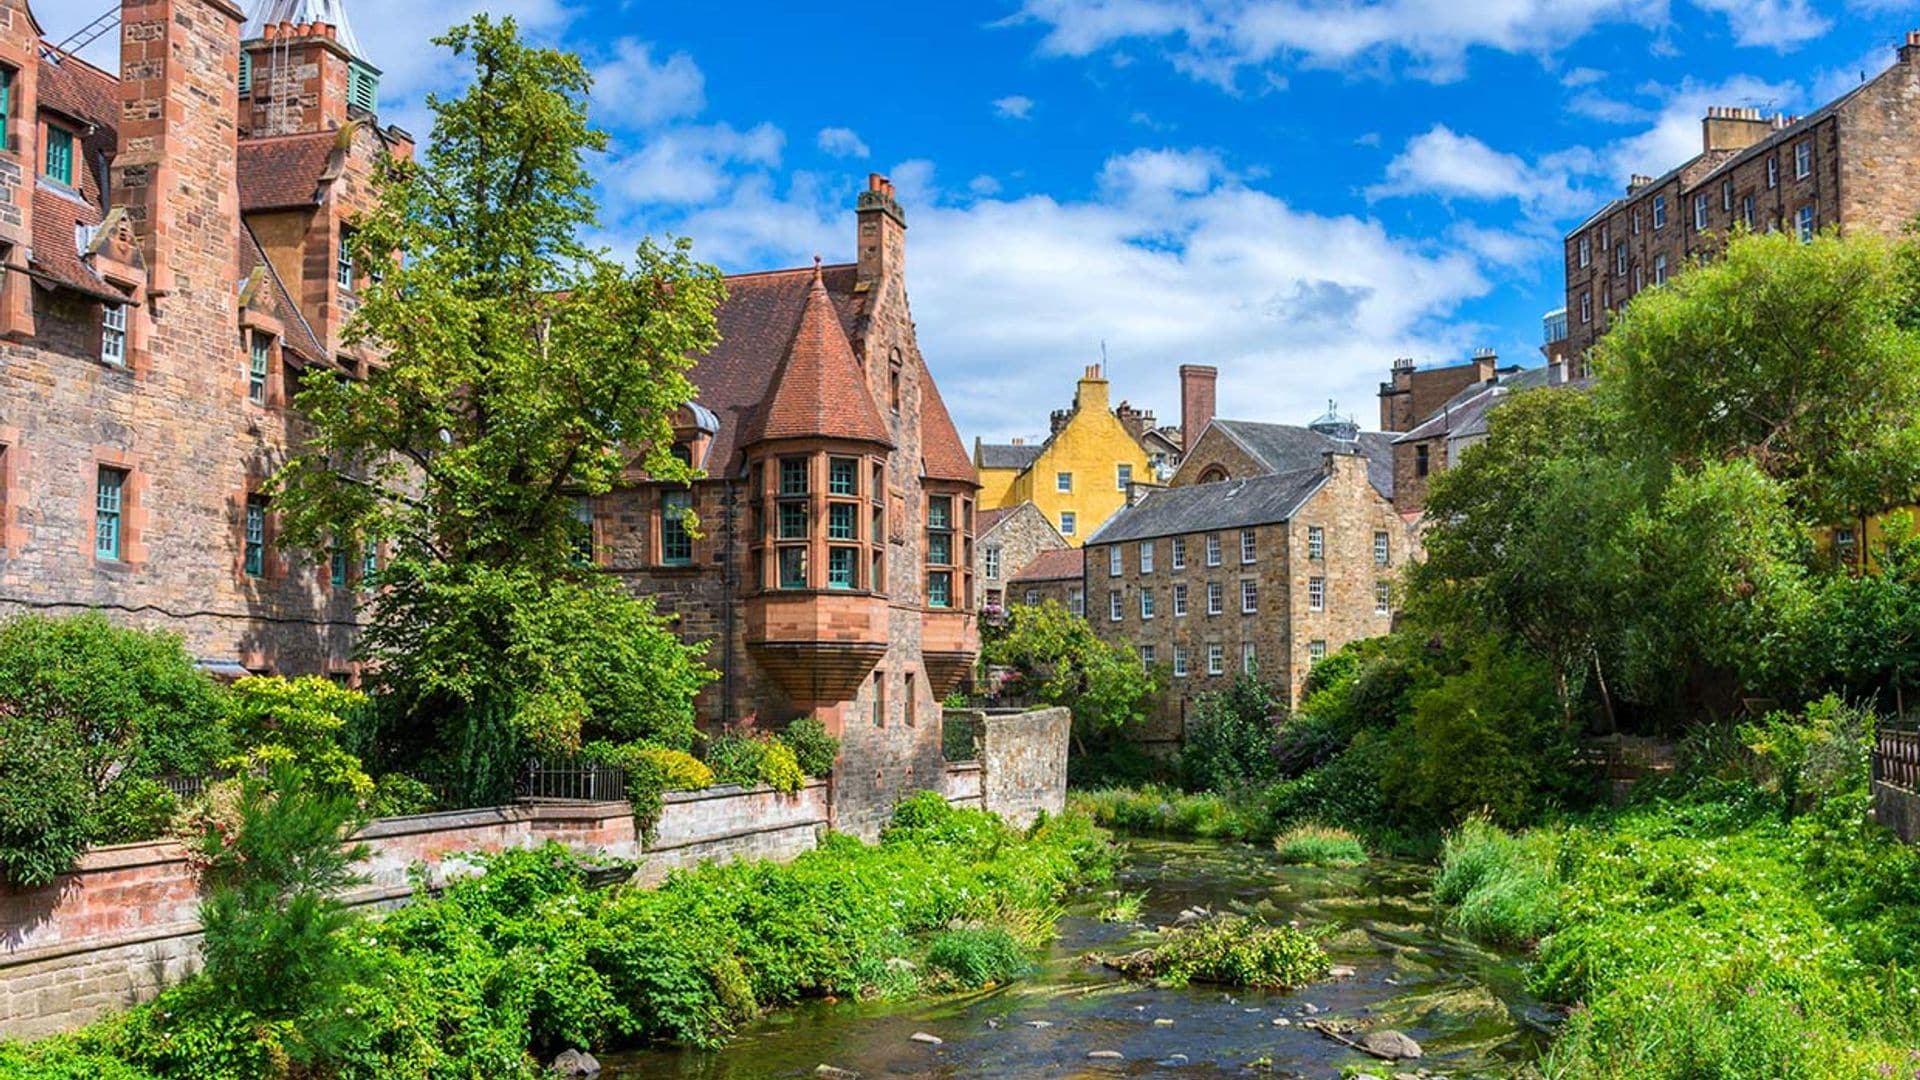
column 730, row 580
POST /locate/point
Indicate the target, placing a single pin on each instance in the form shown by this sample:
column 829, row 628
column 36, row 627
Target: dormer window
column 59, row 161
column 259, row 356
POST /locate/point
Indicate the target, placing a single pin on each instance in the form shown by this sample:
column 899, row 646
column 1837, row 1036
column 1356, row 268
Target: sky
column 1295, row 191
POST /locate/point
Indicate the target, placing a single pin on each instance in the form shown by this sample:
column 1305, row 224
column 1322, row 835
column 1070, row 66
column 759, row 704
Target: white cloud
column 1773, row 24
column 1674, row 137
column 691, row 165
column 632, row 90
column 1445, row 163
column 984, row 185
column 1582, row 76
column 1015, row 107
column 842, row 142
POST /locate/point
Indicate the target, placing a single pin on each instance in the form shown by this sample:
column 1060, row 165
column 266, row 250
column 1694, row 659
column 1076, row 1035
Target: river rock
column 1105, row 1055
column 1310, row 1009
column 1162, row 1021
column 935, row 1040
column 1172, row 1061
column 1281, row 1021
column 575, row 1063
column 829, row 1072
column 1341, row 973
column 1039, row 1024
column 1390, row 1044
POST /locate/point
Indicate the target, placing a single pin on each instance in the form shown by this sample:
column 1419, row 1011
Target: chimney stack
column 1911, row 49
column 1196, row 400
column 883, row 235
column 1730, row 128
column 1485, row 363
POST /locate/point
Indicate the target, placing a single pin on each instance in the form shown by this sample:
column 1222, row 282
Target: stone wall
column 1022, row 770
column 1897, row 809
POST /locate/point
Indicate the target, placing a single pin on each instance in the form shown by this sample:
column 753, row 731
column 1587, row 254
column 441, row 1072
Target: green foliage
column 971, row 957
column 1125, row 908
column 1319, row 845
column 46, row 801
column 1230, row 951
column 1501, row 887
column 396, row 795
column 813, row 748
column 297, row 722
column 1229, row 741
column 750, row 758
column 1056, row 655
column 523, row 370
column 651, row 772
column 1810, row 757
column 1867, row 626
column 1166, row 812
column 133, row 809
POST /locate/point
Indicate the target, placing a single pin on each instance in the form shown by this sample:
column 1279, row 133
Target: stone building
column 1058, row 576
column 1010, row 539
column 1413, row 393
column 1238, row 449
column 834, row 567
column 173, row 240
column 1853, row 164
column 1265, row 573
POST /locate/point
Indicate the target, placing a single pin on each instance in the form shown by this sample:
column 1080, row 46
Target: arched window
column 1214, row 475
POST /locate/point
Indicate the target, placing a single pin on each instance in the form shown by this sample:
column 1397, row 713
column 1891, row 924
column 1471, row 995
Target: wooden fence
column 1896, row 760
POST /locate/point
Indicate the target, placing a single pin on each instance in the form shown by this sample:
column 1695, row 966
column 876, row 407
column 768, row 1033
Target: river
column 1465, row 1005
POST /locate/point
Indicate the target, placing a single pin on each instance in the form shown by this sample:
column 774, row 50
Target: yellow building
column 1079, row 476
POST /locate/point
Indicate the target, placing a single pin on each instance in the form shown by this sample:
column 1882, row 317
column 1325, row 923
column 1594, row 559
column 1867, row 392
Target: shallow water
column 1465, row 1005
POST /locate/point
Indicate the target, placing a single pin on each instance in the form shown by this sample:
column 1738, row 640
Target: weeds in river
column 1229, row 951
column 1500, row 886
column 1320, row 845
column 1124, row 908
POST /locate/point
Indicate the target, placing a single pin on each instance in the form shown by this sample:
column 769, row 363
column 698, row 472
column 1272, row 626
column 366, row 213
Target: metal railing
column 583, row 781
column 1896, row 760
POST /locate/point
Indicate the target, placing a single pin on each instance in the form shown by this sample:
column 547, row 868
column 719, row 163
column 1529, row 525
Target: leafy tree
column 1057, row 653
column 1801, row 358
column 523, row 371
column 1229, row 742
column 46, row 804
column 1868, row 625
column 298, row 721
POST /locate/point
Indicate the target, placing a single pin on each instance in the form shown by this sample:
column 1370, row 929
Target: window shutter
column 246, row 73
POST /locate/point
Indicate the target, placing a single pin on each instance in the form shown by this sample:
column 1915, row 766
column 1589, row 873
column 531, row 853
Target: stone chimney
column 883, row 235
column 1638, row 182
column 1729, row 128
column 174, row 174
column 1910, row 49
column 1485, row 363
column 303, row 69
column 1196, row 400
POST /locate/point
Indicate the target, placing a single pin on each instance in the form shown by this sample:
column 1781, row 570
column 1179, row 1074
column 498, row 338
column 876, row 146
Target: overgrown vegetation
column 1054, row 657
column 1320, row 845
column 1229, row 951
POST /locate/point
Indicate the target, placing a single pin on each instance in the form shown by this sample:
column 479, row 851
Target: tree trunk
column 1606, row 696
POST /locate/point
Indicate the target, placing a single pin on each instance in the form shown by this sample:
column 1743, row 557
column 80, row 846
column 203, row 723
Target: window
column 1316, row 542
column 1179, row 661
column 1382, row 598
column 110, row 486
column 1586, row 252
column 893, row 388
column 1122, row 476
column 1216, row 598
column 1146, row 556
column 879, row 699
column 1659, row 212
column 843, row 523
column 793, row 521
column 1606, row 236
column 1726, row 194
column 1316, row 651
column 1116, row 560
column 909, row 697
column 258, row 346
column 1115, row 612
column 1033, row 597
column 1636, row 221
column 1069, row 523
column 1637, row 282
column 59, row 155
column 363, row 88
column 1659, row 269
column 843, row 477
column 793, row 476
column 369, row 566
column 1586, row 307
column 343, row 261
column 337, row 566
column 1803, row 224
column 1146, row 603
column 1803, row 159
column 1249, row 658
column 1423, row 456
column 1216, row 658
column 1773, row 172
column 940, row 550
column 1146, row 656
column 1700, row 212
column 1247, row 546
column 1843, row 545
column 1063, row 482
column 1382, row 549
column 1179, row 553
column 256, row 539
column 676, row 541
column 6, row 104
column 1213, row 549
column 1317, row 594
column 113, row 334
column 1077, row 600
column 793, row 567
column 1620, row 259
column 990, row 563
column 583, row 530
column 1249, row 597
column 1179, row 601
column 940, row 589
column 246, row 73
column 1746, row 211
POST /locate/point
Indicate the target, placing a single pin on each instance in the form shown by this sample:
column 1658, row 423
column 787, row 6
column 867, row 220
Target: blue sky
column 1297, row 191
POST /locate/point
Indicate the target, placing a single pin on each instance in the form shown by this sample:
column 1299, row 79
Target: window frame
column 1382, row 598
column 1116, row 561
column 1181, row 668
column 253, row 557
column 1803, row 159
column 1805, row 221
column 1317, row 595
column 1146, row 556
column 1063, row 483
column 990, row 562
column 1316, row 543
column 1216, row 598
column 1116, row 606
column 674, row 535
column 1179, row 553
column 1180, row 600
column 1701, row 212
column 1216, row 658
column 1249, row 596
column 1214, row 550
column 1382, row 548
column 1146, row 605
column 1069, row 523
column 259, row 365
column 1584, row 253
column 343, row 267
column 113, row 334
column 60, row 136
column 109, row 512
column 1249, row 547
column 1123, row 476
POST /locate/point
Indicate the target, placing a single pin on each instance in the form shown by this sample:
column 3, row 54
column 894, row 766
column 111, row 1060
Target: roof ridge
column 790, row 270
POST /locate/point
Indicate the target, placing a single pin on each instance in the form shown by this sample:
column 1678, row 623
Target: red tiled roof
column 942, row 455
column 77, row 89
column 283, row 173
column 299, row 333
column 56, row 253
column 819, row 389
column 985, row 520
column 1060, row 565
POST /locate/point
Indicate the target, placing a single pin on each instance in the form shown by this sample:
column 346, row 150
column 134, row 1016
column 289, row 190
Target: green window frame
column 370, row 566
column 793, row 521
column 940, row 512
column 841, row 567
column 793, row 567
column 259, row 352
column 337, row 566
column 793, row 476
column 110, row 486
column 59, row 161
column 843, row 521
column 343, row 261
column 940, row 589
column 6, row 104
column 676, row 542
column 843, row 476
column 256, row 536
column 940, row 549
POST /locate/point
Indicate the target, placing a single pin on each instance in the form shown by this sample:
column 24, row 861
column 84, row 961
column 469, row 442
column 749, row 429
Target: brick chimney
column 174, row 174
column 1485, row 363
column 19, row 51
column 297, row 81
column 883, row 235
column 1732, row 128
column 1196, row 400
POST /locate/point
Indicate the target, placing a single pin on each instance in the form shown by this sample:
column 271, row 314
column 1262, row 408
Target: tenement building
column 1265, row 570
column 1853, row 164
column 833, row 569
column 175, row 263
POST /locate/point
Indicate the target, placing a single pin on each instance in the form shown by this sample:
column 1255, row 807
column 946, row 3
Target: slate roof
column 1465, row 414
column 1008, row 456
column 1064, row 564
column 819, row 389
column 1229, row 504
column 1285, row 448
column 283, row 172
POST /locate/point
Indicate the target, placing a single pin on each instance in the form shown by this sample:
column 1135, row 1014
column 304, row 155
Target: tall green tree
column 524, row 370
column 1059, row 658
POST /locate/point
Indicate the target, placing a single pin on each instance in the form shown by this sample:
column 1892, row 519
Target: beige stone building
column 1852, row 164
column 1056, row 576
column 1009, row 540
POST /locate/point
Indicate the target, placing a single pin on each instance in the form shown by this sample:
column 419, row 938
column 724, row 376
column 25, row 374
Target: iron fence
column 586, row 781
column 1896, row 759
column 185, row 787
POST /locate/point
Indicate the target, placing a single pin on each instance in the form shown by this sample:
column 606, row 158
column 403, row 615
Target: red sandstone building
column 174, row 265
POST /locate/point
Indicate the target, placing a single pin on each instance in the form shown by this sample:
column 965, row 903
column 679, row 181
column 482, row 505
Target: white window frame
column 1033, row 597
column 1123, row 476
column 1746, row 211
column 1316, row 652
column 1216, row 658
column 113, row 335
column 1179, row 553
column 1077, row 600
column 1585, row 253
column 1249, row 658
column 1216, row 598
column 1249, row 597
column 1146, row 656
column 1249, row 547
column 1773, row 172
column 1316, row 594
column 1116, row 561
column 1146, row 556
column 1146, row 605
column 1659, row 212
column 990, row 562
column 259, row 365
column 1803, row 223
column 1069, row 523
column 1700, row 212
column 1660, row 269
column 1180, row 601
column 1116, row 607
column 1726, row 195
column 1213, row 549
column 1586, row 308
column 1063, row 483
column 1382, row 548
column 1803, row 159
column 1179, row 661
column 1316, row 542
column 1382, row 598
column 1620, row 259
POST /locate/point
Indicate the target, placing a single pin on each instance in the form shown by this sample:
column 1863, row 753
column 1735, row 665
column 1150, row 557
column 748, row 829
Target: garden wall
column 1897, row 809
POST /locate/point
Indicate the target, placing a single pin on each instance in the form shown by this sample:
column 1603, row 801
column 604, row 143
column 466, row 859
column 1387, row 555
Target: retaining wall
column 1897, row 809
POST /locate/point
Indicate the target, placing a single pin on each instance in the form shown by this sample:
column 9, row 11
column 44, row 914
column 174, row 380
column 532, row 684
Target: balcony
column 819, row 646
column 949, row 644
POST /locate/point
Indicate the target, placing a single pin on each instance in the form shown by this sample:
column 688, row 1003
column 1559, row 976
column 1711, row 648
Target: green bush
column 1229, row 742
column 813, row 748
column 974, row 957
column 1501, row 887
column 298, row 722
column 133, row 809
column 651, row 772
column 1319, row 845
column 1166, row 812
column 749, row 759
column 1230, row 951
column 396, row 795
column 46, row 803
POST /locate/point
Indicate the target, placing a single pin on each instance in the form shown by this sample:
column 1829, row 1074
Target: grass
column 973, row 957
column 1500, row 886
column 1229, row 952
column 1124, row 908
column 1165, row 812
column 1320, row 845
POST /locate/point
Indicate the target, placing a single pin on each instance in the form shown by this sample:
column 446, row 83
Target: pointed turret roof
column 332, row 13
column 819, row 390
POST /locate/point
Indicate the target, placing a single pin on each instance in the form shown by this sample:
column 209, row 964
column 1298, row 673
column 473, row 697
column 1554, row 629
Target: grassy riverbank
column 505, row 969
